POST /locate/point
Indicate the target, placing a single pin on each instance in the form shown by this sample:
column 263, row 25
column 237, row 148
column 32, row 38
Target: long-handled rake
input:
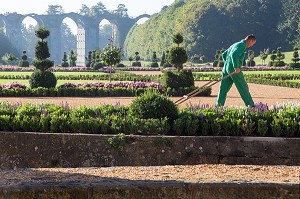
column 200, row 89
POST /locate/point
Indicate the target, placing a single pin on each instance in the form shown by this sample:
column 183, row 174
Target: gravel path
column 270, row 95
column 191, row 173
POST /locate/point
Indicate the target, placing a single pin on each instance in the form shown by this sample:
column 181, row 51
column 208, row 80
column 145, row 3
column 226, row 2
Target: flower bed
column 280, row 120
column 93, row 89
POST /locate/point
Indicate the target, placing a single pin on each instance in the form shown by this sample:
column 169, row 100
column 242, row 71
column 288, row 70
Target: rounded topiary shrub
column 294, row 65
column 154, row 65
column 137, row 63
column 44, row 79
column 97, row 65
column 176, row 80
column 152, row 104
column 120, row 65
column 279, row 63
column 24, row 62
column 250, row 63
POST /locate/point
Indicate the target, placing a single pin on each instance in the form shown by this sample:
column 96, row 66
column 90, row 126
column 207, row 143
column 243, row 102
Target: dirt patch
column 270, row 95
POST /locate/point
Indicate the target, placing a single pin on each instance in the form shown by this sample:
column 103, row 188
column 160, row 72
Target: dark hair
column 250, row 37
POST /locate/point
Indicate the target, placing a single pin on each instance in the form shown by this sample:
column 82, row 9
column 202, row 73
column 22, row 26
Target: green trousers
column 241, row 85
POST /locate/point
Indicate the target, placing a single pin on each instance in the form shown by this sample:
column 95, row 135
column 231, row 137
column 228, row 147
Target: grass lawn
column 59, row 82
column 73, row 73
column 290, row 72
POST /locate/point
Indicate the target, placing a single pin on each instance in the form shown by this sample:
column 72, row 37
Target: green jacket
column 234, row 56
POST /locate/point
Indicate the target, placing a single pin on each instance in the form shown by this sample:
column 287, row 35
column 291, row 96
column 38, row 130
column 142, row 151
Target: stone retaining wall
column 32, row 150
column 154, row 190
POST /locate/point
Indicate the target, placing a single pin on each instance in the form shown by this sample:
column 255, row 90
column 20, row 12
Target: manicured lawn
column 56, row 73
column 59, row 82
column 290, row 72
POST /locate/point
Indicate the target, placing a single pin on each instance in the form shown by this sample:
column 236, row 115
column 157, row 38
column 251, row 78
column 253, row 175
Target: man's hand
column 237, row 70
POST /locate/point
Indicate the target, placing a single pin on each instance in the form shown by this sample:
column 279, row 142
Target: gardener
column 233, row 59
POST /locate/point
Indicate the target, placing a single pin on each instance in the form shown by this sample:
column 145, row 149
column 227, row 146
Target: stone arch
column 87, row 32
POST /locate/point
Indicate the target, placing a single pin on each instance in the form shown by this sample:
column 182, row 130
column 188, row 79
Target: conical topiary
column 40, row 77
column 65, row 60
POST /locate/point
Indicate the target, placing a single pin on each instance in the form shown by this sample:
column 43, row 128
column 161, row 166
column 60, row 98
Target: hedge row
column 280, row 120
column 93, row 92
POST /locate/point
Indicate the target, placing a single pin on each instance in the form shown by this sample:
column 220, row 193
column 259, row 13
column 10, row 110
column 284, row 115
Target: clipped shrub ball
column 44, row 79
column 137, row 63
column 152, row 104
column 154, row 65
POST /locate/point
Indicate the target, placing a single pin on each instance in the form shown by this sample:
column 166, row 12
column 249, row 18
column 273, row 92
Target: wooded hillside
column 210, row 25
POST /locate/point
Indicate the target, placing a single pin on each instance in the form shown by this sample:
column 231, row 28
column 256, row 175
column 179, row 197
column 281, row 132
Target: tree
column 9, row 58
column 263, row 55
column 163, row 59
column 41, row 77
column 111, row 55
column 98, row 9
column 295, row 59
column 121, row 11
column 7, row 46
column 55, row 10
column 24, row 62
column 251, row 58
column 88, row 59
column 154, row 60
column 84, row 10
column 290, row 23
column 73, row 58
column 65, row 60
column 177, row 39
column 178, row 55
column 279, row 56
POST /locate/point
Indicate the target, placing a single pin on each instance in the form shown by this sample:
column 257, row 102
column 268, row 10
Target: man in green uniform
column 233, row 59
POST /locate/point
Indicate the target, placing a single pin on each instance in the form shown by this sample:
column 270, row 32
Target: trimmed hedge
column 202, row 120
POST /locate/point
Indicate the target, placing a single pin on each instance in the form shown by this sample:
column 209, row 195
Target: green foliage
column 264, row 55
column 202, row 24
column 7, row 46
column 186, row 124
column 177, row 39
column 117, row 141
column 42, row 79
column 177, row 57
column 42, row 51
column 152, row 104
column 111, row 55
column 175, row 80
column 65, row 61
column 73, row 58
column 24, row 62
column 88, row 59
column 9, row 58
column 42, row 33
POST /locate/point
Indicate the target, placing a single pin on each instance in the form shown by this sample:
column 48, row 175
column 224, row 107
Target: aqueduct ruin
column 87, row 30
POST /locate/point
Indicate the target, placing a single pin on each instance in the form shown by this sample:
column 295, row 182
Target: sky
column 135, row 7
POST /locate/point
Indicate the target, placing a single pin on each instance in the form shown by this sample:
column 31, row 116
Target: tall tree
column 291, row 21
column 84, row 10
